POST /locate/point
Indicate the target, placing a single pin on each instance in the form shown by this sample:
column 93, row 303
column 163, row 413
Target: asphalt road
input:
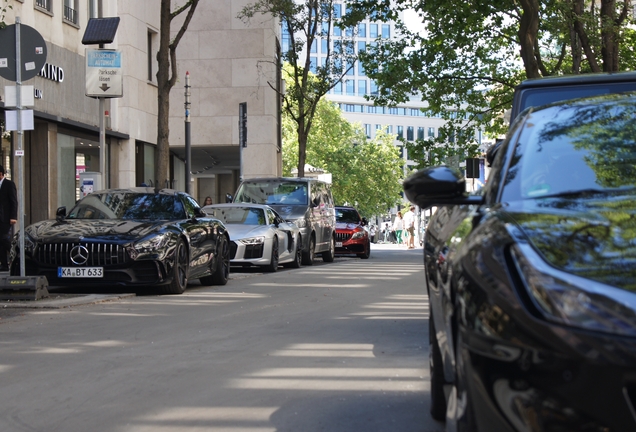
column 332, row 347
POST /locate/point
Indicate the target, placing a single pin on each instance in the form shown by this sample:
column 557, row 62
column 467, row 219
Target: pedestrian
column 372, row 231
column 409, row 225
column 207, row 201
column 8, row 217
column 398, row 227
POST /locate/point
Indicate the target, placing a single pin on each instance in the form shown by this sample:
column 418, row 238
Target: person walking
column 8, row 217
column 398, row 227
column 409, row 226
column 207, row 201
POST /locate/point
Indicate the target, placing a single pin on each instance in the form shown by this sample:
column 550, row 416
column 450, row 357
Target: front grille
column 99, row 254
column 253, row 251
column 342, row 237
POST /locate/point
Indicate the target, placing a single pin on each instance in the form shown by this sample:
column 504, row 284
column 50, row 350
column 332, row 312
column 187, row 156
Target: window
column 367, row 129
column 361, row 71
column 373, row 31
column 351, row 69
column 314, row 46
column 415, row 112
column 389, row 129
column 362, row 87
column 286, row 40
column 400, row 131
column 44, row 5
column 70, row 11
column 420, row 133
column 349, row 31
column 313, row 62
column 92, row 9
column 431, row 132
column 152, row 64
column 350, row 84
column 324, row 47
column 362, row 46
column 386, row 31
column 374, row 88
column 338, row 88
column 337, row 10
column 362, row 30
column 337, row 31
column 409, row 133
column 378, row 127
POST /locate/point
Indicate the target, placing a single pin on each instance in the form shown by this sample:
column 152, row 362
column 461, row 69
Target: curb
column 64, row 302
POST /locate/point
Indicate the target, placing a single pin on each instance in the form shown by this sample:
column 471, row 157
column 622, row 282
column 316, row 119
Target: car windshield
column 347, row 216
column 129, row 206
column 580, row 147
column 273, row 192
column 238, row 215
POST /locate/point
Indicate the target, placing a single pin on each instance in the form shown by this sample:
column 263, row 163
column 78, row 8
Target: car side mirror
column 60, row 213
column 438, row 186
column 365, row 222
column 228, row 198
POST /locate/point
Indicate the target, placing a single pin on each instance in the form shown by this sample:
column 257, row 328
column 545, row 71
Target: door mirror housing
column 438, row 186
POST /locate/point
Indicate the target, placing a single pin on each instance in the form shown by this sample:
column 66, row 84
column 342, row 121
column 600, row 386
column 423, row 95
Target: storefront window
column 75, row 156
column 5, row 153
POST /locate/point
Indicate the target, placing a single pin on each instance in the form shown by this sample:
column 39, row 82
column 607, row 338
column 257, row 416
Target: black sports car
column 131, row 236
column 532, row 284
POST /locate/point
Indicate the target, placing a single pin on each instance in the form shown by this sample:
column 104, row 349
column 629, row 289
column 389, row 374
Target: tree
column 166, row 79
column 471, row 55
column 3, row 12
column 303, row 25
column 366, row 174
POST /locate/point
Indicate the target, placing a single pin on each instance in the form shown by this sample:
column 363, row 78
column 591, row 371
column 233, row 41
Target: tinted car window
column 238, row 215
column 347, row 216
column 137, row 206
column 273, row 192
column 544, row 96
column 579, row 147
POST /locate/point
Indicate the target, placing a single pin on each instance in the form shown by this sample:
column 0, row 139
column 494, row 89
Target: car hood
column 240, row 231
column 347, row 226
column 593, row 237
column 92, row 229
column 290, row 212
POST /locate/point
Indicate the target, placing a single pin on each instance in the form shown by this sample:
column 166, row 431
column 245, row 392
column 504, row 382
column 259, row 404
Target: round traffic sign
column 32, row 52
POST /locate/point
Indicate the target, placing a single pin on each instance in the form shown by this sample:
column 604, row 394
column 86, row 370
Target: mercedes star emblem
column 79, row 255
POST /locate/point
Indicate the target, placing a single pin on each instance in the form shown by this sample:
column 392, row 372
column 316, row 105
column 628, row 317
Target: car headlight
column 300, row 223
column 359, row 234
column 575, row 301
column 152, row 244
column 253, row 240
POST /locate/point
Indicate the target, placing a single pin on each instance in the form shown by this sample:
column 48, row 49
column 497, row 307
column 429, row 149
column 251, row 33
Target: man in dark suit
column 8, row 217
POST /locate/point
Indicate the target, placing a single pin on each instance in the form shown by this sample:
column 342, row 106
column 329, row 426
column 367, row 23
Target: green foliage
column 365, row 173
column 470, row 56
column 3, row 12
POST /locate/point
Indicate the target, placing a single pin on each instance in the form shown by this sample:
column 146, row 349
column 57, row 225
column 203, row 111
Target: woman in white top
column 398, row 227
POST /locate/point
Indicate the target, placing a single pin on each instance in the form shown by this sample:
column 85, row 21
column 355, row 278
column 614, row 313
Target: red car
column 351, row 234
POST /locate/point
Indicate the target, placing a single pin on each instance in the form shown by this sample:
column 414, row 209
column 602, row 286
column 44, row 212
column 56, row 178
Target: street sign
column 32, row 52
column 104, row 75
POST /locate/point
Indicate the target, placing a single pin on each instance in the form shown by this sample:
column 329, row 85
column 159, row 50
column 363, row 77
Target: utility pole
column 188, row 136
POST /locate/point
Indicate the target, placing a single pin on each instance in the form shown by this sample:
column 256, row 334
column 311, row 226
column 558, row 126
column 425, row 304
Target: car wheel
column 221, row 273
column 273, row 263
column 459, row 415
column 179, row 270
column 298, row 255
column 331, row 253
column 310, row 254
column 436, row 370
column 367, row 251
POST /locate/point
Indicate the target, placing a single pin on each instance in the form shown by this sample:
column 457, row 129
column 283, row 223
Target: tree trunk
column 528, row 36
column 609, row 38
column 585, row 41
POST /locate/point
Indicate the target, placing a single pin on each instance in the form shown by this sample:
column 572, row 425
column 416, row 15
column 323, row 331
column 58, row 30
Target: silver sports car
column 258, row 235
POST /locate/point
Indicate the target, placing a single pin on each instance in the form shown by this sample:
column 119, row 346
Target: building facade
column 229, row 62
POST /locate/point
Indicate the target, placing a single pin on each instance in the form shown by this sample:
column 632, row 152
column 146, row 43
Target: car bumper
column 570, row 380
column 246, row 255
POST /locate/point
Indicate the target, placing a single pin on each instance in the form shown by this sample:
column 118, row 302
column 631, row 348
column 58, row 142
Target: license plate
column 80, row 272
column 338, row 244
